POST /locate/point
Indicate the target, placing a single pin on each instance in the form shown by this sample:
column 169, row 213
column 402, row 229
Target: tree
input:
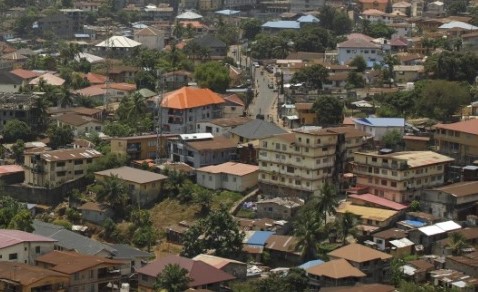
column 307, row 229
column 335, row 20
column 456, row 7
column 355, row 80
column 117, row 129
column 314, row 39
column 327, row 200
column 329, row 110
column 144, row 233
column 250, row 28
column 212, row 75
column 173, row 278
column 457, row 241
column 313, row 76
column 218, row 232
column 14, row 215
column 294, row 280
column 392, row 139
column 16, row 130
column 17, row 150
column 359, row 63
column 377, row 29
column 113, row 191
column 452, row 66
column 174, row 183
column 60, row 136
column 347, row 223
column 396, row 270
column 415, row 206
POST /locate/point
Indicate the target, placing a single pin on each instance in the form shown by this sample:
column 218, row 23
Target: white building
column 232, row 176
column 349, row 49
column 151, row 38
column 375, row 16
column 378, row 127
column 219, row 127
column 117, row 44
column 23, row 247
column 305, row 5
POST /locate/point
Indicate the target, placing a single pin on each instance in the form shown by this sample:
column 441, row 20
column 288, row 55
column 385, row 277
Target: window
column 369, row 180
column 78, row 162
column 325, row 148
column 394, row 173
column 384, row 171
column 263, row 176
column 264, row 164
column 383, row 182
column 393, row 184
column 210, row 178
column 439, row 167
column 297, row 148
column 79, row 172
column 277, row 146
column 89, row 160
column 307, row 141
column 13, row 256
column 61, row 173
column 298, row 182
column 60, row 164
column 92, row 274
column 152, row 143
column 374, row 159
column 264, row 144
column 297, row 159
column 37, row 249
column 325, row 160
column 284, row 147
column 306, row 149
column 290, row 169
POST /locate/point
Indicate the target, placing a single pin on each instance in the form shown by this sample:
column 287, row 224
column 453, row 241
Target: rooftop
column 284, row 202
column 230, row 122
column 9, row 237
column 76, row 120
column 215, row 143
column 458, row 24
column 190, row 97
column 392, row 233
column 369, row 213
column 439, row 228
column 217, row 262
column 381, row 122
column 282, row 24
column 67, row 154
column 26, row 275
column 233, row 168
column 8, row 169
column 48, row 78
column 358, row 253
column 358, row 43
column 257, row 129
column 469, row 126
column 376, row 200
column 283, row 243
column 461, row 189
column 414, row 158
column 335, row 269
column 132, row 174
column 25, row 74
column 118, row 42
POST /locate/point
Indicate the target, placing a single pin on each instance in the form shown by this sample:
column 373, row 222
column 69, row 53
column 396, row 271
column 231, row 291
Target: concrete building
column 95, row 212
column 351, row 48
column 232, row 267
column 278, row 208
column 52, row 168
column 143, row 186
column 299, row 6
column 429, row 235
column 305, row 113
column 378, row 127
column 79, row 125
column 400, row 176
column 254, row 130
column 23, row 277
column 150, row 38
column 23, row 247
column 404, row 73
column 219, row 127
column 18, row 106
column 141, row 147
column 375, row 16
column 236, row 177
column 337, row 272
column 182, row 109
column 458, row 140
column 373, row 4
column 59, row 25
column 370, row 218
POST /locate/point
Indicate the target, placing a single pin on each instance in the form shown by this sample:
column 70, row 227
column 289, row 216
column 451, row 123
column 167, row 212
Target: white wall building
column 151, row 38
column 232, row 176
column 23, row 247
column 349, row 49
column 378, row 127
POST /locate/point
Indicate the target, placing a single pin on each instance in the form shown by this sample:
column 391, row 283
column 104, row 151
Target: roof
column 374, row 1
column 67, row 262
column 8, row 169
column 200, row 272
column 9, row 237
column 214, row 143
column 235, row 99
column 189, row 15
column 283, row 243
column 458, row 24
column 416, row 138
column 369, row 213
column 303, row 105
column 308, row 19
column 284, row 202
column 373, row 12
column 358, row 43
column 125, row 251
column 86, row 111
column 358, row 253
column 190, row 97
column 408, row 68
column 132, row 174
column 26, row 274
column 311, row 264
column 282, row 24
column 25, row 74
column 400, row 243
column 49, row 79
column 70, row 240
column 439, row 228
column 90, row 58
column 381, row 122
column 414, row 158
column 75, row 120
column 9, row 78
column 257, row 237
column 217, row 262
column 469, row 126
column 118, row 42
column 357, row 35
column 360, row 288
column 210, row 41
column 402, row 4
column 93, row 206
column 233, row 168
column 149, row 31
column 392, row 233
column 94, row 78
column 229, row 122
column 379, row 201
column 13, row 56
column 67, row 154
column 227, row 12
column 349, row 132
column 335, row 269
column 461, row 189
column 421, row 264
column 257, row 129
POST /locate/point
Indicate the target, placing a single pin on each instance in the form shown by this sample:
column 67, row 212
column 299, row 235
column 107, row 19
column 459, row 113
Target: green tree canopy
column 15, row 130
column 60, row 136
column 250, row 27
column 453, row 66
column 329, row 110
column 393, row 139
column 359, row 62
column 307, row 228
column 173, row 278
column 14, row 215
column 313, row 76
column 335, row 20
column 212, row 75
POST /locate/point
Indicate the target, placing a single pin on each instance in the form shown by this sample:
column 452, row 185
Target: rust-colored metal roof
column 190, row 97
column 470, row 126
column 359, row 253
column 336, row 269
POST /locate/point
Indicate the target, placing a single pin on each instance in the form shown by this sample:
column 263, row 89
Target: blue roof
column 227, row 12
column 282, row 24
column 308, row 19
column 311, row 264
column 259, row 238
column 381, row 122
column 414, row 223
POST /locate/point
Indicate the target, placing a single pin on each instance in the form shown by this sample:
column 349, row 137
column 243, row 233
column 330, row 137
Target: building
column 202, row 149
column 95, row 212
column 232, row 267
column 141, row 147
column 52, row 168
column 182, row 109
column 416, row 143
column 86, row 273
column 9, row 82
column 382, row 238
column 234, row 106
column 300, row 6
column 375, row 264
column 429, row 235
column 373, row 4
column 400, row 176
column 117, row 45
column 417, row 270
column 151, row 38
column 23, row 277
column 217, row 49
column 133, row 257
column 278, row 208
column 351, row 48
column 375, row 16
column 458, row 140
column 18, row 106
column 47, row 78
column 369, row 200
column 77, row 18
column 79, row 124
column 143, row 186
column 231, row 176
column 283, row 248
column 404, row 73
column 338, row 272
column 435, row 9
column 203, row 276
column 454, row 201
column 467, row 264
column 219, row 127
column 254, row 130
column 306, row 113
column 298, row 163
column 58, row 25
column 370, row 218
column 23, row 247
column 402, row 7
column 378, row 127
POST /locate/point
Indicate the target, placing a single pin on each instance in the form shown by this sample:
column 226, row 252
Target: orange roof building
column 183, row 108
column 458, row 140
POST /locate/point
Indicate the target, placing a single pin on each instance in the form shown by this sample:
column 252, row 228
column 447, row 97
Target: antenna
column 159, row 121
column 106, row 96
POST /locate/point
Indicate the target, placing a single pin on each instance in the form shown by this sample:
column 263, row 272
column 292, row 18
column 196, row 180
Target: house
column 84, row 271
column 106, row 93
column 382, row 238
column 278, row 208
column 95, row 212
column 19, row 106
column 24, row 277
column 23, row 247
column 467, row 264
column 232, row 267
column 182, row 109
column 133, row 257
column 203, row 276
column 79, row 125
column 162, row 12
column 278, row 25
column 336, row 80
column 176, row 79
column 370, row 200
column 416, row 143
column 427, row 236
column 150, row 38
column 53, row 168
column 219, row 127
column 25, row 75
column 351, row 48
column 12, row 174
column 141, row 147
column 306, row 113
column 403, row 7
column 217, row 49
column 404, row 73
column 454, row 279
column 378, row 127
column 9, row 82
column 454, row 201
column 417, row 270
column 202, row 149
column 232, row 176
column 143, row 186
column 373, row 4
column 254, row 130
column 400, row 176
column 458, row 140
column 234, row 106
column 376, row 16
column 435, row 9
column 119, row 45
column 375, row 264
column 57, row 24
column 337, row 272
column 47, row 78
column 283, row 248
column 370, row 218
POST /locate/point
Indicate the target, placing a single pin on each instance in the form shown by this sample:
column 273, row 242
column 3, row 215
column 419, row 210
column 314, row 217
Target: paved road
column 265, row 101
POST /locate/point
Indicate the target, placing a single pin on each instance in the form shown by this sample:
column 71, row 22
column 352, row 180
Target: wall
column 26, row 251
column 94, row 216
column 151, row 42
column 369, row 54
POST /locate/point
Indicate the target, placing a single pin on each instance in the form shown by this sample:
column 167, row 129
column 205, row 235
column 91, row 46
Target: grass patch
column 170, row 212
column 244, row 213
column 225, row 198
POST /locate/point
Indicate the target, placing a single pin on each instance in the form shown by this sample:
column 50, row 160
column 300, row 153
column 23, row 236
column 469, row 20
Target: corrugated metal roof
column 381, row 122
column 259, row 238
column 282, row 24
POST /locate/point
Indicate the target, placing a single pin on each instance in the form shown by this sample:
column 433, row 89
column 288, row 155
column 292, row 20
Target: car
column 256, row 65
column 270, row 85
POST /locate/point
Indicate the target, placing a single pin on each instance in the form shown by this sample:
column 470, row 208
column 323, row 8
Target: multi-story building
column 400, row 176
column 151, row 38
column 182, row 109
column 305, row 5
column 373, row 4
column 77, row 17
column 239, row 4
column 18, row 106
column 378, row 127
column 23, row 247
column 53, row 168
column 298, row 163
column 458, row 140
column 209, row 5
column 59, row 25
column 351, row 48
column 141, row 147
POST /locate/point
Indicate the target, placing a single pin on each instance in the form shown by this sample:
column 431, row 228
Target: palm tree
column 40, row 106
column 173, row 278
column 137, row 105
column 113, row 190
column 390, row 60
column 203, row 198
column 65, row 99
column 307, row 229
column 174, row 183
column 457, row 242
column 347, row 224
column 327, row 201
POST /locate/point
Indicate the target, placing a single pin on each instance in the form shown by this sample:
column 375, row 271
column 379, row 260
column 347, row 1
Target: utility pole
column 159, row 117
